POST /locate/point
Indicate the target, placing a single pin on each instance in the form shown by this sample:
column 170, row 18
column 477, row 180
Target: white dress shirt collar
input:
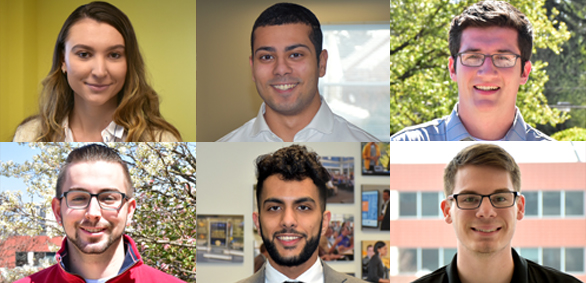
column 315, row 274
column 323, row 122
column 112, row 133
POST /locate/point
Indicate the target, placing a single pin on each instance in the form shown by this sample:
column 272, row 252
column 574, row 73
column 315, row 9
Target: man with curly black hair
column 291, row 196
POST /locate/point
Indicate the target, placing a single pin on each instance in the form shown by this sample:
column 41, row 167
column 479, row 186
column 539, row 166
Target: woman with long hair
column 376, row 269
column 97, row 89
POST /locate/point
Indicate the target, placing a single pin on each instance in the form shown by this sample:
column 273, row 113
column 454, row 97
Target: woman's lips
column 98, row 87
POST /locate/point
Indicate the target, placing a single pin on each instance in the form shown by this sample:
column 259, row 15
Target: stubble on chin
column 93, row 246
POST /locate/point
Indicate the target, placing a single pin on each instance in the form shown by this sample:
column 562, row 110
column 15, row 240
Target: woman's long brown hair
column 138, row 103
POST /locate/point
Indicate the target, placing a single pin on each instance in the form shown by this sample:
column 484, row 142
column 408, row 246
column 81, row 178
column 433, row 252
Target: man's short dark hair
column 93, row 153
column 289, row 13
column 387, row 191
column 293, row 163
column 488, row 14
column 481, row 155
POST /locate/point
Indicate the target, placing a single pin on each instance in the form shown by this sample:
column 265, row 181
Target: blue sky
column 17, row 153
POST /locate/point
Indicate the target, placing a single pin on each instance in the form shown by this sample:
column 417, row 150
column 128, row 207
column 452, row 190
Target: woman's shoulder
column 29, row 130
column 165, row 136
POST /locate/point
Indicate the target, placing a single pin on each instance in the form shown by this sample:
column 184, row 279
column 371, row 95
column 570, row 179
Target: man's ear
column 255, row 220
column 525, row 72
column 520, row 207
column 325, row 221
column 252, row 67
column 452, row 68
column 323, row 61
column 130, row 210
column 56, row 206
column 446, row 209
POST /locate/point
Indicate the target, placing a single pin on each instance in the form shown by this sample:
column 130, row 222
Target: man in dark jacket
column 482, row 185
column 95, row 248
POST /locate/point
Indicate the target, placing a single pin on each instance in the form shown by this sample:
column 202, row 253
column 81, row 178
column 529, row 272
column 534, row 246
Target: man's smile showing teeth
column 288, row 238
column 285, row 86
column 93, row 230
column 486, row 87
column 486, row 230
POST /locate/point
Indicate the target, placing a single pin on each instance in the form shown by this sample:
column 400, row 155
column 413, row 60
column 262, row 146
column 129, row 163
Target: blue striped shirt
column 450, row 128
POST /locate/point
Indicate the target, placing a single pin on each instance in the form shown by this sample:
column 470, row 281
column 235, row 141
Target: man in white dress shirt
column 291, row 196
column 287, row 61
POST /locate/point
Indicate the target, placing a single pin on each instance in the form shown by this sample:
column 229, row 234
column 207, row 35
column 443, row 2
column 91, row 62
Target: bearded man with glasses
column 94, row 202
column 490, row 46
column 485, row 227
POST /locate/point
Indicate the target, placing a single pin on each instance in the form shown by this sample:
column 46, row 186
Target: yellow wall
column 227, row 95
column 17, row 63
column 166, row 37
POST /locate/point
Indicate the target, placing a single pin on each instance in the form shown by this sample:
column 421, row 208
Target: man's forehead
column 482, row 179
column 493, row 38
column 288, row 190
column 108, row 170
column 270, row 34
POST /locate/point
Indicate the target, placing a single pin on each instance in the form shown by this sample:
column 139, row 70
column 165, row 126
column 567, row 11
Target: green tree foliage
column 164, row 223
column 567, row 71
column 571, row 134
column 420, row 85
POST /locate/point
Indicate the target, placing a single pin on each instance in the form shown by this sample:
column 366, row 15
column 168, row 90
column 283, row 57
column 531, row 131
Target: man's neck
column 497, row 267
column 96, row 266
column 294, row 271
column 492, row 125
column 286, row 126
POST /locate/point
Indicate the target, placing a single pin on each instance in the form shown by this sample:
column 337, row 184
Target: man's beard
column 90, row 247
column 310, row 247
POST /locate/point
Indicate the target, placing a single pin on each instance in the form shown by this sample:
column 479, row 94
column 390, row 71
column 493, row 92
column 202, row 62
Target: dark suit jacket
column 375, row 268
column 386, row 223
column 330, row 276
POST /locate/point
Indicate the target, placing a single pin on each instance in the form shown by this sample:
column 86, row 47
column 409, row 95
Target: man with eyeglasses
column 94, row 202
column 483, row 203
column 490, row 45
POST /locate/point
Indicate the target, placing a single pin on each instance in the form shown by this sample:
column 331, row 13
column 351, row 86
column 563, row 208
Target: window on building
column 531, row 254
column 37, row 256
column 407, row 204
column 551, row 204
column 554, row 203
column 448, row 255
column 574, row 203
column 552, row 258
column 356, row 84
column 21, row 258
column 430, row 204
column 414, row 260
column 574, row 260
column 531, row 203
column 430, row 259
column 420, row 204
column 50, row 256
column 564, row 259
column 407, row 260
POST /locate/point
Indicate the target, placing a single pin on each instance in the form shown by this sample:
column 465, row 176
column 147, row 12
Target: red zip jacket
column 133, row 269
